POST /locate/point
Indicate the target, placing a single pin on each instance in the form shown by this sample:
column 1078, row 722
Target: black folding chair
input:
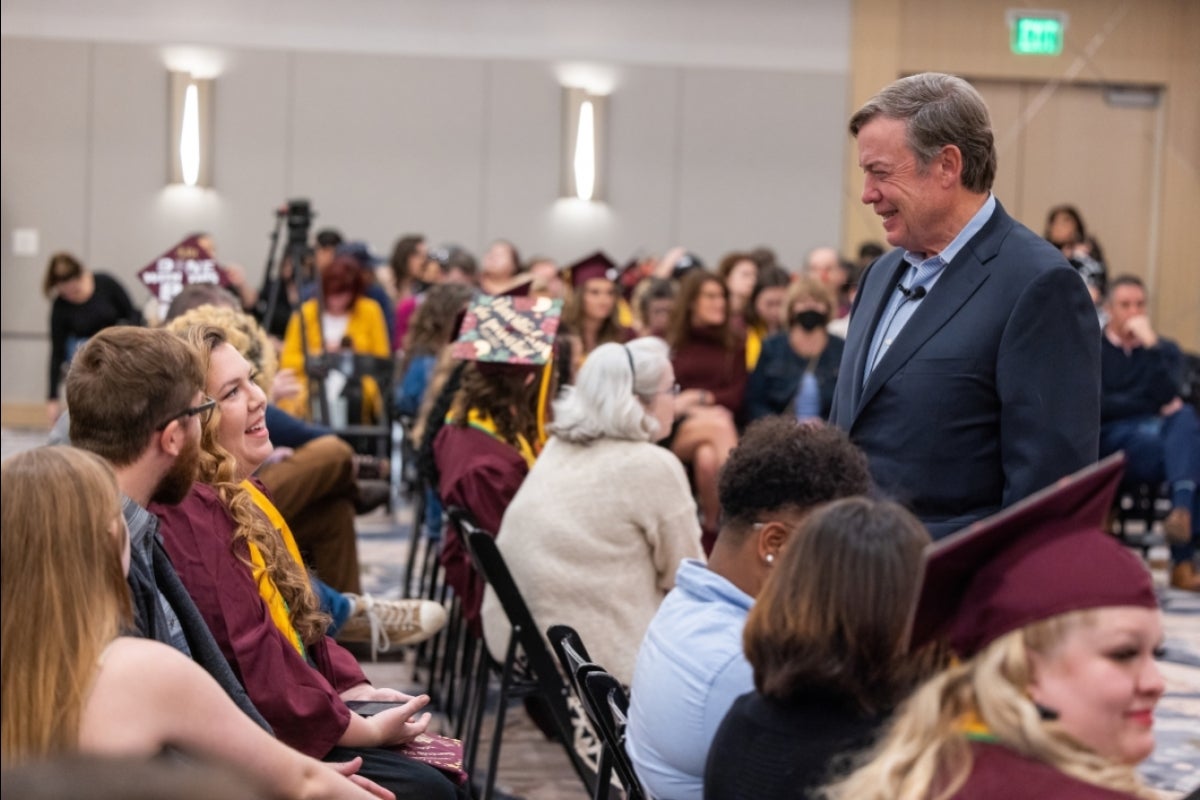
column 608, row 705
column 539, row 677
column 577, row 664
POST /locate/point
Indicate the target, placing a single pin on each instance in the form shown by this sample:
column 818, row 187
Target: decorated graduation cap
column 187, row 263
column 1044, row 556
column 596, row 265
column 507, row 330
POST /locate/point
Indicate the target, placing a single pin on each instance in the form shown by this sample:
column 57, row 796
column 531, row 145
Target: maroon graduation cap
column 186, row 263
column 596, row 265
column 1044, row 556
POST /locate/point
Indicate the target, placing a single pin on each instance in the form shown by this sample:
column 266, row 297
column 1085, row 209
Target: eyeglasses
column 204, row 410
column 672, row 390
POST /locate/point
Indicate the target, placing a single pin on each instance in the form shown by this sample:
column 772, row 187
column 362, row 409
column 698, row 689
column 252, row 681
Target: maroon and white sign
column 186, row 263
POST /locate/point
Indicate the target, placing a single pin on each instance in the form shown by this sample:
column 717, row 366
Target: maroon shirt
column 300, row 700
column 480, row 473
column 703, row 362
column 1000, row 773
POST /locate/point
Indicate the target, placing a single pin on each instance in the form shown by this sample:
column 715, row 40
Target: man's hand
column 1138, row 330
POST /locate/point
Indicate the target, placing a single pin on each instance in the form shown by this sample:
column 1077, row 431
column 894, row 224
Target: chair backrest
column 572, row 654
column 608, row 704
column 490, row 564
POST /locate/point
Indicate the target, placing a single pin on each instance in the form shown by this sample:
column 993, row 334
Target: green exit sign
column 1040, row 36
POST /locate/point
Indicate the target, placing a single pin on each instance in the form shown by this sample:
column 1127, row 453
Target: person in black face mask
column 798, row 368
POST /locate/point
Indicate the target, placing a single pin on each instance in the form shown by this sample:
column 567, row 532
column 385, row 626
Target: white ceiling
column 809, row 35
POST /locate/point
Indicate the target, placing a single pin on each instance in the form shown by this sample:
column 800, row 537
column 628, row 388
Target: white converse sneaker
column 391, row 623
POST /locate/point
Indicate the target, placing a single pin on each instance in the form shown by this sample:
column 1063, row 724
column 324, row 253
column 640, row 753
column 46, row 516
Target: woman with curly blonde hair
column 1057, row 626
column 235, row 554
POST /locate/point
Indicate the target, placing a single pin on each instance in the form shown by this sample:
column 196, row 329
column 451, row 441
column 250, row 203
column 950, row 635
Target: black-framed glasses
column 204, row 411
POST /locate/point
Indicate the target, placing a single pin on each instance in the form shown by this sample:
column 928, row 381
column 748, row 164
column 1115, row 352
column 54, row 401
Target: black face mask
column 810, row 320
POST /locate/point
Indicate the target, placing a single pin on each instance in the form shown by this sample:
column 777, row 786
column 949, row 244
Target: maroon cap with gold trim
column 1044, row 556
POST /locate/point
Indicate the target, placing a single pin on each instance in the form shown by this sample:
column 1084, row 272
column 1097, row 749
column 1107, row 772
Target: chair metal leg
column 501, row 709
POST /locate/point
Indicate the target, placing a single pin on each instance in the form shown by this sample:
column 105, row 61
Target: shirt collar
column 142, row 524
column 973, row 226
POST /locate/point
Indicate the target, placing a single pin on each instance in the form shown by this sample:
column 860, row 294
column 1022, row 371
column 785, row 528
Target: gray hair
column 612, row 393
column 938, row 110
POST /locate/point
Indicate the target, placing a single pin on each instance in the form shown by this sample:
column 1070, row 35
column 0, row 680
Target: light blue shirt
column 922, row 271
column 690, row 669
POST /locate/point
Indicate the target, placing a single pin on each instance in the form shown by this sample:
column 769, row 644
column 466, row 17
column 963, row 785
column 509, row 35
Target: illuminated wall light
column 583, row 145
column 585, row 152
column 189, row 147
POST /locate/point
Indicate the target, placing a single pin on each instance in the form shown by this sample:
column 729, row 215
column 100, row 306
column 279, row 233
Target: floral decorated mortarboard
column 518, row 331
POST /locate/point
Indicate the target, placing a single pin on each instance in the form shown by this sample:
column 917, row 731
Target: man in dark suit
column 971, row 374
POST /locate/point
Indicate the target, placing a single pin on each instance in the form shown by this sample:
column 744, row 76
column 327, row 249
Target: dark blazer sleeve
column 1048, row 382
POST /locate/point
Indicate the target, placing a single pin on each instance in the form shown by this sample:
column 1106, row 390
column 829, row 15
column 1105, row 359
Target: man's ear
column 171, row 438
column 771, row 538
column 949, row 162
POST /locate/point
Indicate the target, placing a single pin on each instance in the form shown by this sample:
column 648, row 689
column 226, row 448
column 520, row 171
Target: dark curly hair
column 780, row 463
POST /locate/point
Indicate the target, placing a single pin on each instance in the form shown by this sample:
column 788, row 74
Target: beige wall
column 1130, row 42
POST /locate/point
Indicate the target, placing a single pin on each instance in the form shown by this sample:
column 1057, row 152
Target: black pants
column 408, row 779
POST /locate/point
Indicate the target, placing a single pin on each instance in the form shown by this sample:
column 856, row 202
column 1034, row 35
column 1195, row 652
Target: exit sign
column 1037, row 33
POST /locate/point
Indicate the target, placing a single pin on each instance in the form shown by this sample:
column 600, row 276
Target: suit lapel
column 874, row 295
column 961, row 279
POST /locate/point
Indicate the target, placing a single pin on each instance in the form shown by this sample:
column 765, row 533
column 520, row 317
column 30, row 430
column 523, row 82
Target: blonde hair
column 925, row 754
column 63, row 595
column 219, row 469
column 242, row 331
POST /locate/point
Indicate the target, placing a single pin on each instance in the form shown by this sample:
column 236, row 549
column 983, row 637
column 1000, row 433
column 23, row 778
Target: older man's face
column 911, row 201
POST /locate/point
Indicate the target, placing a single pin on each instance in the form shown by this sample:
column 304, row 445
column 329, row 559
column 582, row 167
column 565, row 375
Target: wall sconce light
column 189, row 149
column 583, row 144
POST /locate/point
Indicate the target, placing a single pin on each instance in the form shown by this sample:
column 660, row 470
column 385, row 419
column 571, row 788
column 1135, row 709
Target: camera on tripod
column 299, row 220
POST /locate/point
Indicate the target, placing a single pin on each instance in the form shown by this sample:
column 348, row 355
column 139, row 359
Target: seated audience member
column 493, row 431
column 500, row 264
column 824, row 265
column 1056, row 626
column 691, row 666
column 137, row 400
column 709, row 359
column 764, row 314
column 592, row 314
column 71, row 682
column 827, row 639
column 312, row 484
column 1066, row 231
column 653, row 299
column 798, row 369
column 373, row 287
column 1142, row 413
column 349, row 323
column 599, row 526
column 431, row 329
column 237, row 557
column 739, row 273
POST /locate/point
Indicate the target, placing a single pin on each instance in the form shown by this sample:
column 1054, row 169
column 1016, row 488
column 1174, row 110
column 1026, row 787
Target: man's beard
column 178, row 481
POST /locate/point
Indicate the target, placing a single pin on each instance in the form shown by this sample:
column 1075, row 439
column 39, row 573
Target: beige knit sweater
column 593, row 539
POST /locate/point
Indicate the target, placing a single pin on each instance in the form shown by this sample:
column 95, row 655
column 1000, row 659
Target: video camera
column 299, row 219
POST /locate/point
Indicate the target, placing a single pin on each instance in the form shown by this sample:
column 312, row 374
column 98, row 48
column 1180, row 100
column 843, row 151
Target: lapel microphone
column 911, row 294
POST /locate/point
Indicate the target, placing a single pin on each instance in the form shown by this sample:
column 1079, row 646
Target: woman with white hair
column 599, row 526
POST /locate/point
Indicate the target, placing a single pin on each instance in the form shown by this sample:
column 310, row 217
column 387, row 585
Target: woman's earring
column 770, row 558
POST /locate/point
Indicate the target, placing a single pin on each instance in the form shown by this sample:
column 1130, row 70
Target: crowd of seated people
column 632, row 498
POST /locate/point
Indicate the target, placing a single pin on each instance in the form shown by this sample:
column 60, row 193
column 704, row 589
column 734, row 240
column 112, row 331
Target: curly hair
column 434, row 320
column 505, row 394
column 242, row 331
column 780, row 463
column 220, row 469
column 925, row 750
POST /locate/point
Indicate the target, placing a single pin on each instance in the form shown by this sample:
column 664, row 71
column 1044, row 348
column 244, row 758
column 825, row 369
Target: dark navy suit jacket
column 992, row 389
